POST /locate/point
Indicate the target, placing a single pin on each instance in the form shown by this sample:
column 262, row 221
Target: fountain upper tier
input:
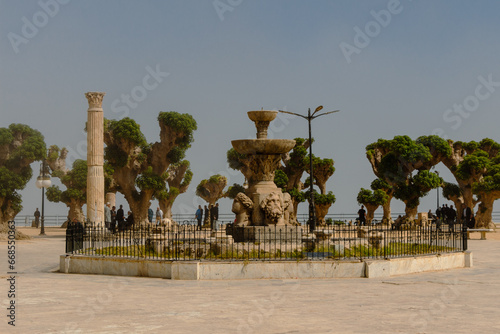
column 263, row 146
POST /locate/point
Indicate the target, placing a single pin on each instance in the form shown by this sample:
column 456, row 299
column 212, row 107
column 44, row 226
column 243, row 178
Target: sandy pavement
column 454, row 301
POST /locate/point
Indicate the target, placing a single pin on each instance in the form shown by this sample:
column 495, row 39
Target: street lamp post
column 437, row 173
column 43, row 181
column 309, row 118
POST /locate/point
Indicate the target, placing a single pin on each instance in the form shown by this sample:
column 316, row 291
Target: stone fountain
column 263, row 203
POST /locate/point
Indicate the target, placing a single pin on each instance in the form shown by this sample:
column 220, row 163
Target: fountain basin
column 263, row 146
column 262, row 115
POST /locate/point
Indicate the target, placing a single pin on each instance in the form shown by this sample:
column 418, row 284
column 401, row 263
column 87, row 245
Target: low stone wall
column 215, row 270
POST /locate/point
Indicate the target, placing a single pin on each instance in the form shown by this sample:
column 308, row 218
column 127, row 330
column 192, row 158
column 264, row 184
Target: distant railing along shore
column 58, row 220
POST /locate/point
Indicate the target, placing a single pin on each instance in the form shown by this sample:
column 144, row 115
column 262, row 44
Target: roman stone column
column 95, row 158
column 111, row 199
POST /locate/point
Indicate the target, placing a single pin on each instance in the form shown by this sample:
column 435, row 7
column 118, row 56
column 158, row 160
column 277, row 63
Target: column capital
column 95, row 99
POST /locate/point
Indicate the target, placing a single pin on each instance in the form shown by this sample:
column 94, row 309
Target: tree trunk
column 321, row 212
column 75, row 210
column 387, row 211
column 411, row 212
column 483, row 216
column 139, row 206
column 370, row 212
column 7, row 212
column 166, row 207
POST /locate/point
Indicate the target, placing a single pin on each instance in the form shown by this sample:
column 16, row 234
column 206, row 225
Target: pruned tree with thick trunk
column 212, row 189
column 137, row 167
column 452, row 192
column 379, row 184
column 20, row 146
column 179, row 176
column 401, row 161
column 466, row 167
column 371, row 200
column 75, row 181
column 474, row 166
column 322, row 170
column 415, row 188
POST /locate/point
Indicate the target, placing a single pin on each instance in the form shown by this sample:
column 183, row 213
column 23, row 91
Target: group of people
column 449, row 215
column 115, row 219
column 211, row 215
column 444, row 214
column 158, row 215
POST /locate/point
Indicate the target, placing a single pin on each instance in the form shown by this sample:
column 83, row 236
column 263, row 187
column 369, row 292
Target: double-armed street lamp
column 42, row 182
column 309, row 118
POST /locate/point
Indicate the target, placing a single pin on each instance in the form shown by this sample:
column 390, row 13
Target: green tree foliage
column 323, row 170
column 397, row 160
column 416, row 187
column 178, row 178
column 234, row 190
column 372, row 200
column 474, row 165
column 139, row 168
column 20, row 146
column 212, row 189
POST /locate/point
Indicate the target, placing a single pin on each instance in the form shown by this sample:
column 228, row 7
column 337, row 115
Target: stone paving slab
column 454, row 301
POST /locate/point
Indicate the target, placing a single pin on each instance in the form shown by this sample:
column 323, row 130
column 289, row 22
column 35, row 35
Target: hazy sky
column 391, row 67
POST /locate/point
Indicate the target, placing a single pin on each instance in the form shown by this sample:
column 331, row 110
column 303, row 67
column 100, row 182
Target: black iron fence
column 270, row 243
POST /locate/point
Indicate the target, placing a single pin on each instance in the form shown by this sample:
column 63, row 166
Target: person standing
column 150, row 215
column 451, row 216
column 207, row 216
column 216, row 216
column 159, row 216
column 199, row 216
column 37, row 217
column 466, row 215
column 107, row 216
column 120, row 216
column 362, row 216
column 113, row 219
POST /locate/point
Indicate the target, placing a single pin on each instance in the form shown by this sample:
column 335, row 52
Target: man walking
column 37, row 217
column 120, row 216
column 150, row 215
column 159, row 216
column 214, row 213
column 107, row 216
column 362, row 216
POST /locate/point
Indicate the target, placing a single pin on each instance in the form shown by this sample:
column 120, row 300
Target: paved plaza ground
column 454, row 301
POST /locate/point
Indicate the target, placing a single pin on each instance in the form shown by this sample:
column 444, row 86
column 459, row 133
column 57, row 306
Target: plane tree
column 212, row 189
column 138, row 167
column 416, row 187
column 178, row 179
column 20, row 146
column 322, row 170
column 371, row 200
column 74, row 179
column 401, row 163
